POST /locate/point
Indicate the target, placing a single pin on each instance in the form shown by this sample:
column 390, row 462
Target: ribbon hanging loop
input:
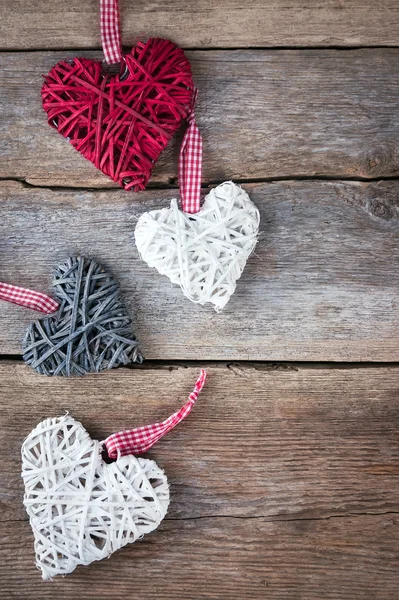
column 111, row 31
column 190, row 164
column 141, row 439
column 28, row 298
column 190, row 157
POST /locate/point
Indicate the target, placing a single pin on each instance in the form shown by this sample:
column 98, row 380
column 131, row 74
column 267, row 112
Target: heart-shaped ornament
column 206, row 252
column 90, row 332
column 80, row 508
column 121, row 123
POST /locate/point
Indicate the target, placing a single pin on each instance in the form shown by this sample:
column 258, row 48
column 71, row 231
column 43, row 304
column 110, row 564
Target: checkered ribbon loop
column 141, row 439
column 190, row 164
column 111, row 31
column 190, row 158
column 28, row 298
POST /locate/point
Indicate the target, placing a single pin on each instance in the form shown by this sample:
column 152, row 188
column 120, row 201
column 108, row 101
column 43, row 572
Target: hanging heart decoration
column 91, row 330
column 205, row 253
column 122, row 122
column 80, row 508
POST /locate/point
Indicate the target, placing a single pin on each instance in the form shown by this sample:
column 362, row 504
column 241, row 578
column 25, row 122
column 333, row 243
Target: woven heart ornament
column 121, row 123
column 91, row 330
column 82, row 509
column 205, row 253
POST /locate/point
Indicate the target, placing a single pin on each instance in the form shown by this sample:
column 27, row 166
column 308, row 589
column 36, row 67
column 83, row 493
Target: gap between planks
column 263, row 365
column 126, row 49
column 205, row 185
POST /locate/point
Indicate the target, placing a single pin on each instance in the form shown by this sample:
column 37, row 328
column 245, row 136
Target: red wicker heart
column 121, row 123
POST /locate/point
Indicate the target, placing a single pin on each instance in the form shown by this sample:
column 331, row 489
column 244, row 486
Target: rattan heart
column 206, row 252
column 90, row 332
column 80, row 508
column 121, row 123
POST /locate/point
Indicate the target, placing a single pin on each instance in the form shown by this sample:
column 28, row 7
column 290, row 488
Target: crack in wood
column 267, row 518
column 207, row 184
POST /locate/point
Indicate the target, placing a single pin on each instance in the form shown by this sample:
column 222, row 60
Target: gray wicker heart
column 80, row 508
column 90, row 332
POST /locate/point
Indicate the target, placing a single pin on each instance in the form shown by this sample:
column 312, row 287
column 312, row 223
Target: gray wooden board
column 280, row 443
column 262, row 114
column 284, row 482
column 200, row 23
column 321, row 285
column 354, row 558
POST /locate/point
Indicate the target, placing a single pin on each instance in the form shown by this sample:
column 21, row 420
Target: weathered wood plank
column 261, row 113
column 337, row 559
column 222, row 24
column 322, row 284
column 281, row 444
column 293, row 453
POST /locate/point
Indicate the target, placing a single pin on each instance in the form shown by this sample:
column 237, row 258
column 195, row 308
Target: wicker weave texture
column 80, row 508
column 90, row 332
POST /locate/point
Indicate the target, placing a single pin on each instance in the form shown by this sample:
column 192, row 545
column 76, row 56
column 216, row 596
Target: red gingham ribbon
column 190, row 158
column 141, row 439
column 111, row 31
column 190, row 164
column 28, row 298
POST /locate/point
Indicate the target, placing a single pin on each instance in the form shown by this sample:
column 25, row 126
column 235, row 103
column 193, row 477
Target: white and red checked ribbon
column 28, row 298
column 141, row 439
column 111, row 31
column 190, row 158
column 190, row 164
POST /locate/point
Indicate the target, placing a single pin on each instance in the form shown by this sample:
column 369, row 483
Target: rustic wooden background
column 285, row 479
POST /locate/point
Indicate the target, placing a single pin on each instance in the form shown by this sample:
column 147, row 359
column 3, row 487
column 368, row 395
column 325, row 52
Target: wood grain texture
column 262, row 114
column 271, row 477
column 223, row 24
column 322, row 284
column 281, row 444
column 217, row 559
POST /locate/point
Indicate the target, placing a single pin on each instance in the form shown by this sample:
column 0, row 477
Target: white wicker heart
column 80, row 508
column 206, row 252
